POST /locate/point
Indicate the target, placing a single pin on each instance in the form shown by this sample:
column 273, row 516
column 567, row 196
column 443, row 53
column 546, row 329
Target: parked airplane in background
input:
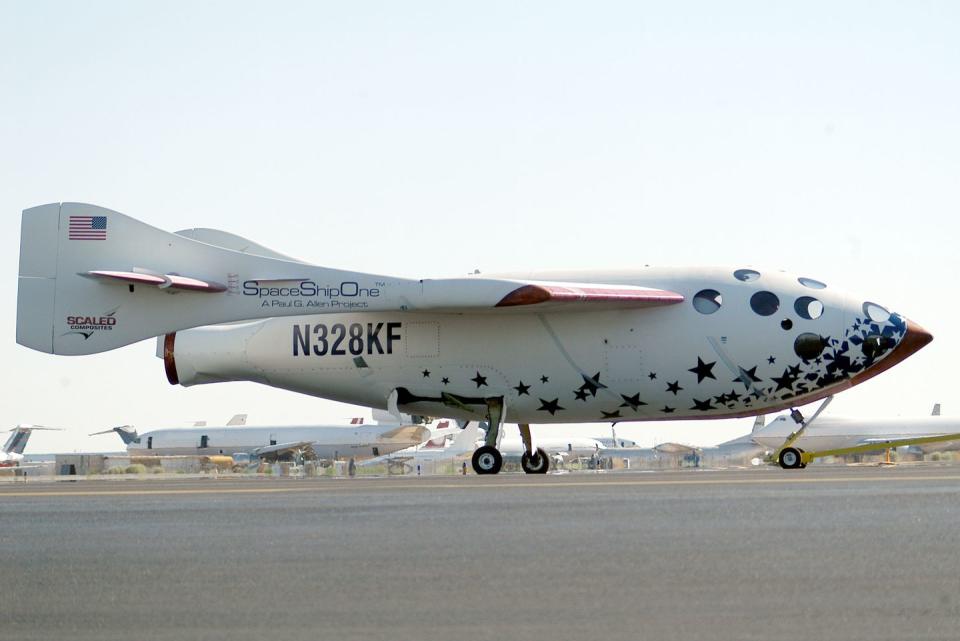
column 325, row 442
column 11, row 455
column 613, row 441
column 737, row 449
column 562, row 347
column 558, row 448
column 829, row 435
column 450, row 447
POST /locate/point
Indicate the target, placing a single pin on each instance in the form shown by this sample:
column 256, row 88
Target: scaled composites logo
column 87, row 326
column 307, row 293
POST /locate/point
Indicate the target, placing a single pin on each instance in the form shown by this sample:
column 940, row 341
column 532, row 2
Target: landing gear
column 536, row 463
column 487, row 460
column 791, row 458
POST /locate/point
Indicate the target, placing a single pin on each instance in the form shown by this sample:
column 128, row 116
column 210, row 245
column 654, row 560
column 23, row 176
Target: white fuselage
column 327, row 442
column 573, row 446
column 834, row 432
column 657, row 363
column 10, row 459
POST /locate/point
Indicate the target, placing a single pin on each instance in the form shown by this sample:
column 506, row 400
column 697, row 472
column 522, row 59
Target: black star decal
column 580, row 394
column 747, row 375
column 614, row 414
column 722, row 399
column 652, row 376
column 522, row 389
column 445, row 380
column 426, row 373
column 591, row 385
column 784, row 382
column 550, row 406
column 703, row 370
column 703, row 406
column 794, row 371
column 771, row 360
column 544, row 379
column 674, row 387
column 633, row 402
column 733, row 396
column 667, row 409
column 479, row 380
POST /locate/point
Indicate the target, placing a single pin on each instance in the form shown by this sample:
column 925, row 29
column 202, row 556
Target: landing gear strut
column 487, row 458
column 533, row 461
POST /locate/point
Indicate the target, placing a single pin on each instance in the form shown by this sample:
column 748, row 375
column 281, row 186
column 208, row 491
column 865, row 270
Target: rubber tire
column 539, row 463
column 486, row 460
column 790, row 459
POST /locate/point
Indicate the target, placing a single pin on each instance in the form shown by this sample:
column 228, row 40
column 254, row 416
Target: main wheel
column 790, row 459
column 487, row 460
column 537, row 463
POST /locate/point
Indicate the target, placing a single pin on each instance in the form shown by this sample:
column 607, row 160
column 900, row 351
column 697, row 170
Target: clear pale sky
column 433, row 138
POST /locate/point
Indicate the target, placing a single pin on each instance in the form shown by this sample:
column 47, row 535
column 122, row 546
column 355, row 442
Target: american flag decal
column 88, row 228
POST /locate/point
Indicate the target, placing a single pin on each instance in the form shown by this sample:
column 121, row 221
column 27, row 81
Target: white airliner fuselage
column 325, row 442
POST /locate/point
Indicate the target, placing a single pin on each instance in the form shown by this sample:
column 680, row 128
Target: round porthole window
column 707, row 301
column 808, row 346
column 808, row 307
column 765, row 303
column 876, row 313
column 812, row 284
column 746, row 275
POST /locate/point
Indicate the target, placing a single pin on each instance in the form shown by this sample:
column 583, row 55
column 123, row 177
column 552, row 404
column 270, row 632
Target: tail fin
column 19, row 437
column 466, row 440
column 126, row 432
column 237, row 419
column 92, row 279
column 758, row 423
column 936, row 410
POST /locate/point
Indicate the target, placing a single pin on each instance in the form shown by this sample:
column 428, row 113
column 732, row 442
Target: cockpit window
column 875, row 345
column 876, row 313
column 765, row 303
column 808, row 307
column 707, row 301
column 808, row 346
column 746, row 275
column 812, row 284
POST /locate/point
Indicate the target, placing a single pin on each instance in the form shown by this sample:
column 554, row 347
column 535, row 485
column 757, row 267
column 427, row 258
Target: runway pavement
column 823, row 553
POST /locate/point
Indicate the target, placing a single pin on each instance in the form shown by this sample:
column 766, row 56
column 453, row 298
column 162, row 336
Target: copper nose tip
column 914, row 339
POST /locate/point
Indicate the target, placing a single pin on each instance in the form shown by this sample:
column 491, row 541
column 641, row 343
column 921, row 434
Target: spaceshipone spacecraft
column 561, row 347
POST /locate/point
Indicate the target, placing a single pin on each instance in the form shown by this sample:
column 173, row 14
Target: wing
column 273, row 452
column 876, row 444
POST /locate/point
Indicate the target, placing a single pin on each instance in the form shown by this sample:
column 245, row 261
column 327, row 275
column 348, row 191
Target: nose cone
column 914, row 339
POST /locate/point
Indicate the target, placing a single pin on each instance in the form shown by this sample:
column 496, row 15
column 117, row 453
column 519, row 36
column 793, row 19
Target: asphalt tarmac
column 823, row 553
